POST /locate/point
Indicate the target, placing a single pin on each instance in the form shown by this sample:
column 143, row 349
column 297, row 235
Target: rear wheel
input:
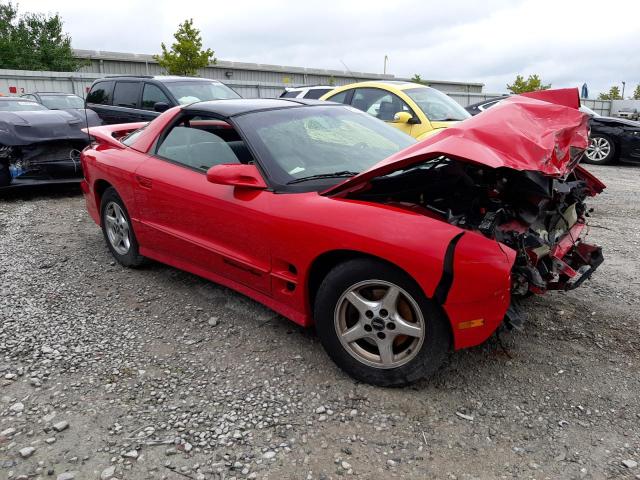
column 376, row 324
column 601, row 150
column 118, row 231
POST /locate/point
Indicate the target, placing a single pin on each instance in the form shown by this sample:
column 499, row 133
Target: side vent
column 284, row 278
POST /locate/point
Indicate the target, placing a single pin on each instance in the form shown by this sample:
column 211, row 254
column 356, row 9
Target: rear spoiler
column 568, row 97
column 110, row 134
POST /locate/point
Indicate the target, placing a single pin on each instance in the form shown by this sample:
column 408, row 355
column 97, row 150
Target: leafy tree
column 33, row 41
column 186, row 55
column 636, row 93
column 612, row 94
column 532, row 84
column 418, row 79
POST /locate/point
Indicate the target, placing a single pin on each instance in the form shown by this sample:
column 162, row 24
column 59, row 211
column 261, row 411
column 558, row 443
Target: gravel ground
column 107, row 372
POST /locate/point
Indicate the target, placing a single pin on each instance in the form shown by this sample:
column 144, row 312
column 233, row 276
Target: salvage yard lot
column 165, row 375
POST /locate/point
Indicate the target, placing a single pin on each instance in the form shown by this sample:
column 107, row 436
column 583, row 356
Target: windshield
column 190, row 91
column 588, row 111
column 20, row 106
column 60, row 102
column 437, row 106
column 301, row 142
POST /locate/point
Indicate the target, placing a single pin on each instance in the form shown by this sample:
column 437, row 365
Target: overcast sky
column 567, row 42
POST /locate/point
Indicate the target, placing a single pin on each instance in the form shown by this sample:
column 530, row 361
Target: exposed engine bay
column 539, row 216
column 40, row 161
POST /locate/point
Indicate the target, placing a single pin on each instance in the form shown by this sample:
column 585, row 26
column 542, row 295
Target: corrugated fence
column 17, row 82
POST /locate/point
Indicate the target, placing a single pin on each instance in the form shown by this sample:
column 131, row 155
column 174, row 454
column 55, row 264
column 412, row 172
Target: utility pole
column 623, row 85
column 386, row 59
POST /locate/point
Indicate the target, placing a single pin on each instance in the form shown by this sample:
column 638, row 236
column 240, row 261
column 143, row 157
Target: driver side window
column 200, row 143
column 379, row 103
column 152, row 95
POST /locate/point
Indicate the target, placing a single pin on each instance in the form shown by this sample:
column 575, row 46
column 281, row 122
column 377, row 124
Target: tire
column 118, row 230
column 408, row 357
column 5, row 175
column 601, row 150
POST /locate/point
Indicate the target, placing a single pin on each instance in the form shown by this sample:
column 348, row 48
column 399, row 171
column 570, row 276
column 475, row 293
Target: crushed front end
column 541, row 217
column 40, row 162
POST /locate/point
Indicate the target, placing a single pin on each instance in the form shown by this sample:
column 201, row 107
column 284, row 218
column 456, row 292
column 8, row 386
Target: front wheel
column 118, row 231
column 376, row 324
column 601, row 150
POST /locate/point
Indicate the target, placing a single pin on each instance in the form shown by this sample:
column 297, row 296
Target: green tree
column 612, row 94
column 418, row 79
column 532, row 84
column 186, row 55
column 33, row 41
column 636, row 93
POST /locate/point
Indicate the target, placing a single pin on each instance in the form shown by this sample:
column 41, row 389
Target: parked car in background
column 479, row 107
column 629, row 113
column 38, row 145
column 65, row 101
column 124, row 99
column 412, row 108
column 612, row 138
column 56, row 100
column 313, row 91
column 396, row 250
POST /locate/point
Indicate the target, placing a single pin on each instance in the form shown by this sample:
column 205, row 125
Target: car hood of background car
column 617, row 121
column 27, row 127
column 540, row 131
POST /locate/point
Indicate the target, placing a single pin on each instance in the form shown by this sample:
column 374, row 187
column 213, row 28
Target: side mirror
column 236, row 175
column 402, row 117
column 161, row 106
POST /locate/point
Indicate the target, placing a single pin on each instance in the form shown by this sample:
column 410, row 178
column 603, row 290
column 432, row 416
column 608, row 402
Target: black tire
column 593, row 156
column 5, row 175
column 436, row 339
column 132, row 257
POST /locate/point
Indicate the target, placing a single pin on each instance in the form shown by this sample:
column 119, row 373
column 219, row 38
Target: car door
column 186, row 220
column 383, row 105
column 126, row 102
column 152, row 95
column 99, row 100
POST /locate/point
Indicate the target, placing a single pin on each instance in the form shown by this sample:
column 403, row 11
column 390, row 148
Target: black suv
column 124, row 99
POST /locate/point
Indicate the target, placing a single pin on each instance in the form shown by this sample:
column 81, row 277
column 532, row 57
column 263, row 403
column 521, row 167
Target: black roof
column 239, row 106
column 159, row 78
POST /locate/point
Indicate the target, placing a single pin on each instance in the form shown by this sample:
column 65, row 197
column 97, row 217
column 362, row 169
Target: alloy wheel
column 599, row 149
column 117, row 228
column 379, row 324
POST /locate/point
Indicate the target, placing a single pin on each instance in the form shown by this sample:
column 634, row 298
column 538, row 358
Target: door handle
column 144, row 182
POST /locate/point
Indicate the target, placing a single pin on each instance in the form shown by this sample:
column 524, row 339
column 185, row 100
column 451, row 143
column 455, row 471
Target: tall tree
column 636, row 93
column 418, row 79
column 33, row 41
column 612, row 94
column 532, row 84
column 186, row 55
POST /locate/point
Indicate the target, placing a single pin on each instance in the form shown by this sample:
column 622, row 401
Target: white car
column 629, row 113
column 313, row 92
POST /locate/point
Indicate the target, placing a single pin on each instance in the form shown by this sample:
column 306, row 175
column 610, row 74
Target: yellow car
column 412, row 108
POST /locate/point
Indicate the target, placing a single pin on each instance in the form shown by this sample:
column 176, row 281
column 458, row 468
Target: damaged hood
column 27, row 127
column 539, row 131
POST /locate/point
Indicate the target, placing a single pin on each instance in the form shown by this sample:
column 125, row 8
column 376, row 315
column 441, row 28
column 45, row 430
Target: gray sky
column 567, row 42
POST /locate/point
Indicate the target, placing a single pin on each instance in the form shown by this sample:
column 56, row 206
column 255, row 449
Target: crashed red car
column 396, row 251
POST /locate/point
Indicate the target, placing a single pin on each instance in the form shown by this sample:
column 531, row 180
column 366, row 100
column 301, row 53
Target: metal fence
column 603, row 107
column 16, row 82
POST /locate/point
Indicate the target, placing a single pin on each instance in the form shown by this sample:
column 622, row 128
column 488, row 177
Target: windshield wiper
column 345, row 173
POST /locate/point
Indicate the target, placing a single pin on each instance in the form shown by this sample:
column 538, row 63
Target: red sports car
column 396, row 251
